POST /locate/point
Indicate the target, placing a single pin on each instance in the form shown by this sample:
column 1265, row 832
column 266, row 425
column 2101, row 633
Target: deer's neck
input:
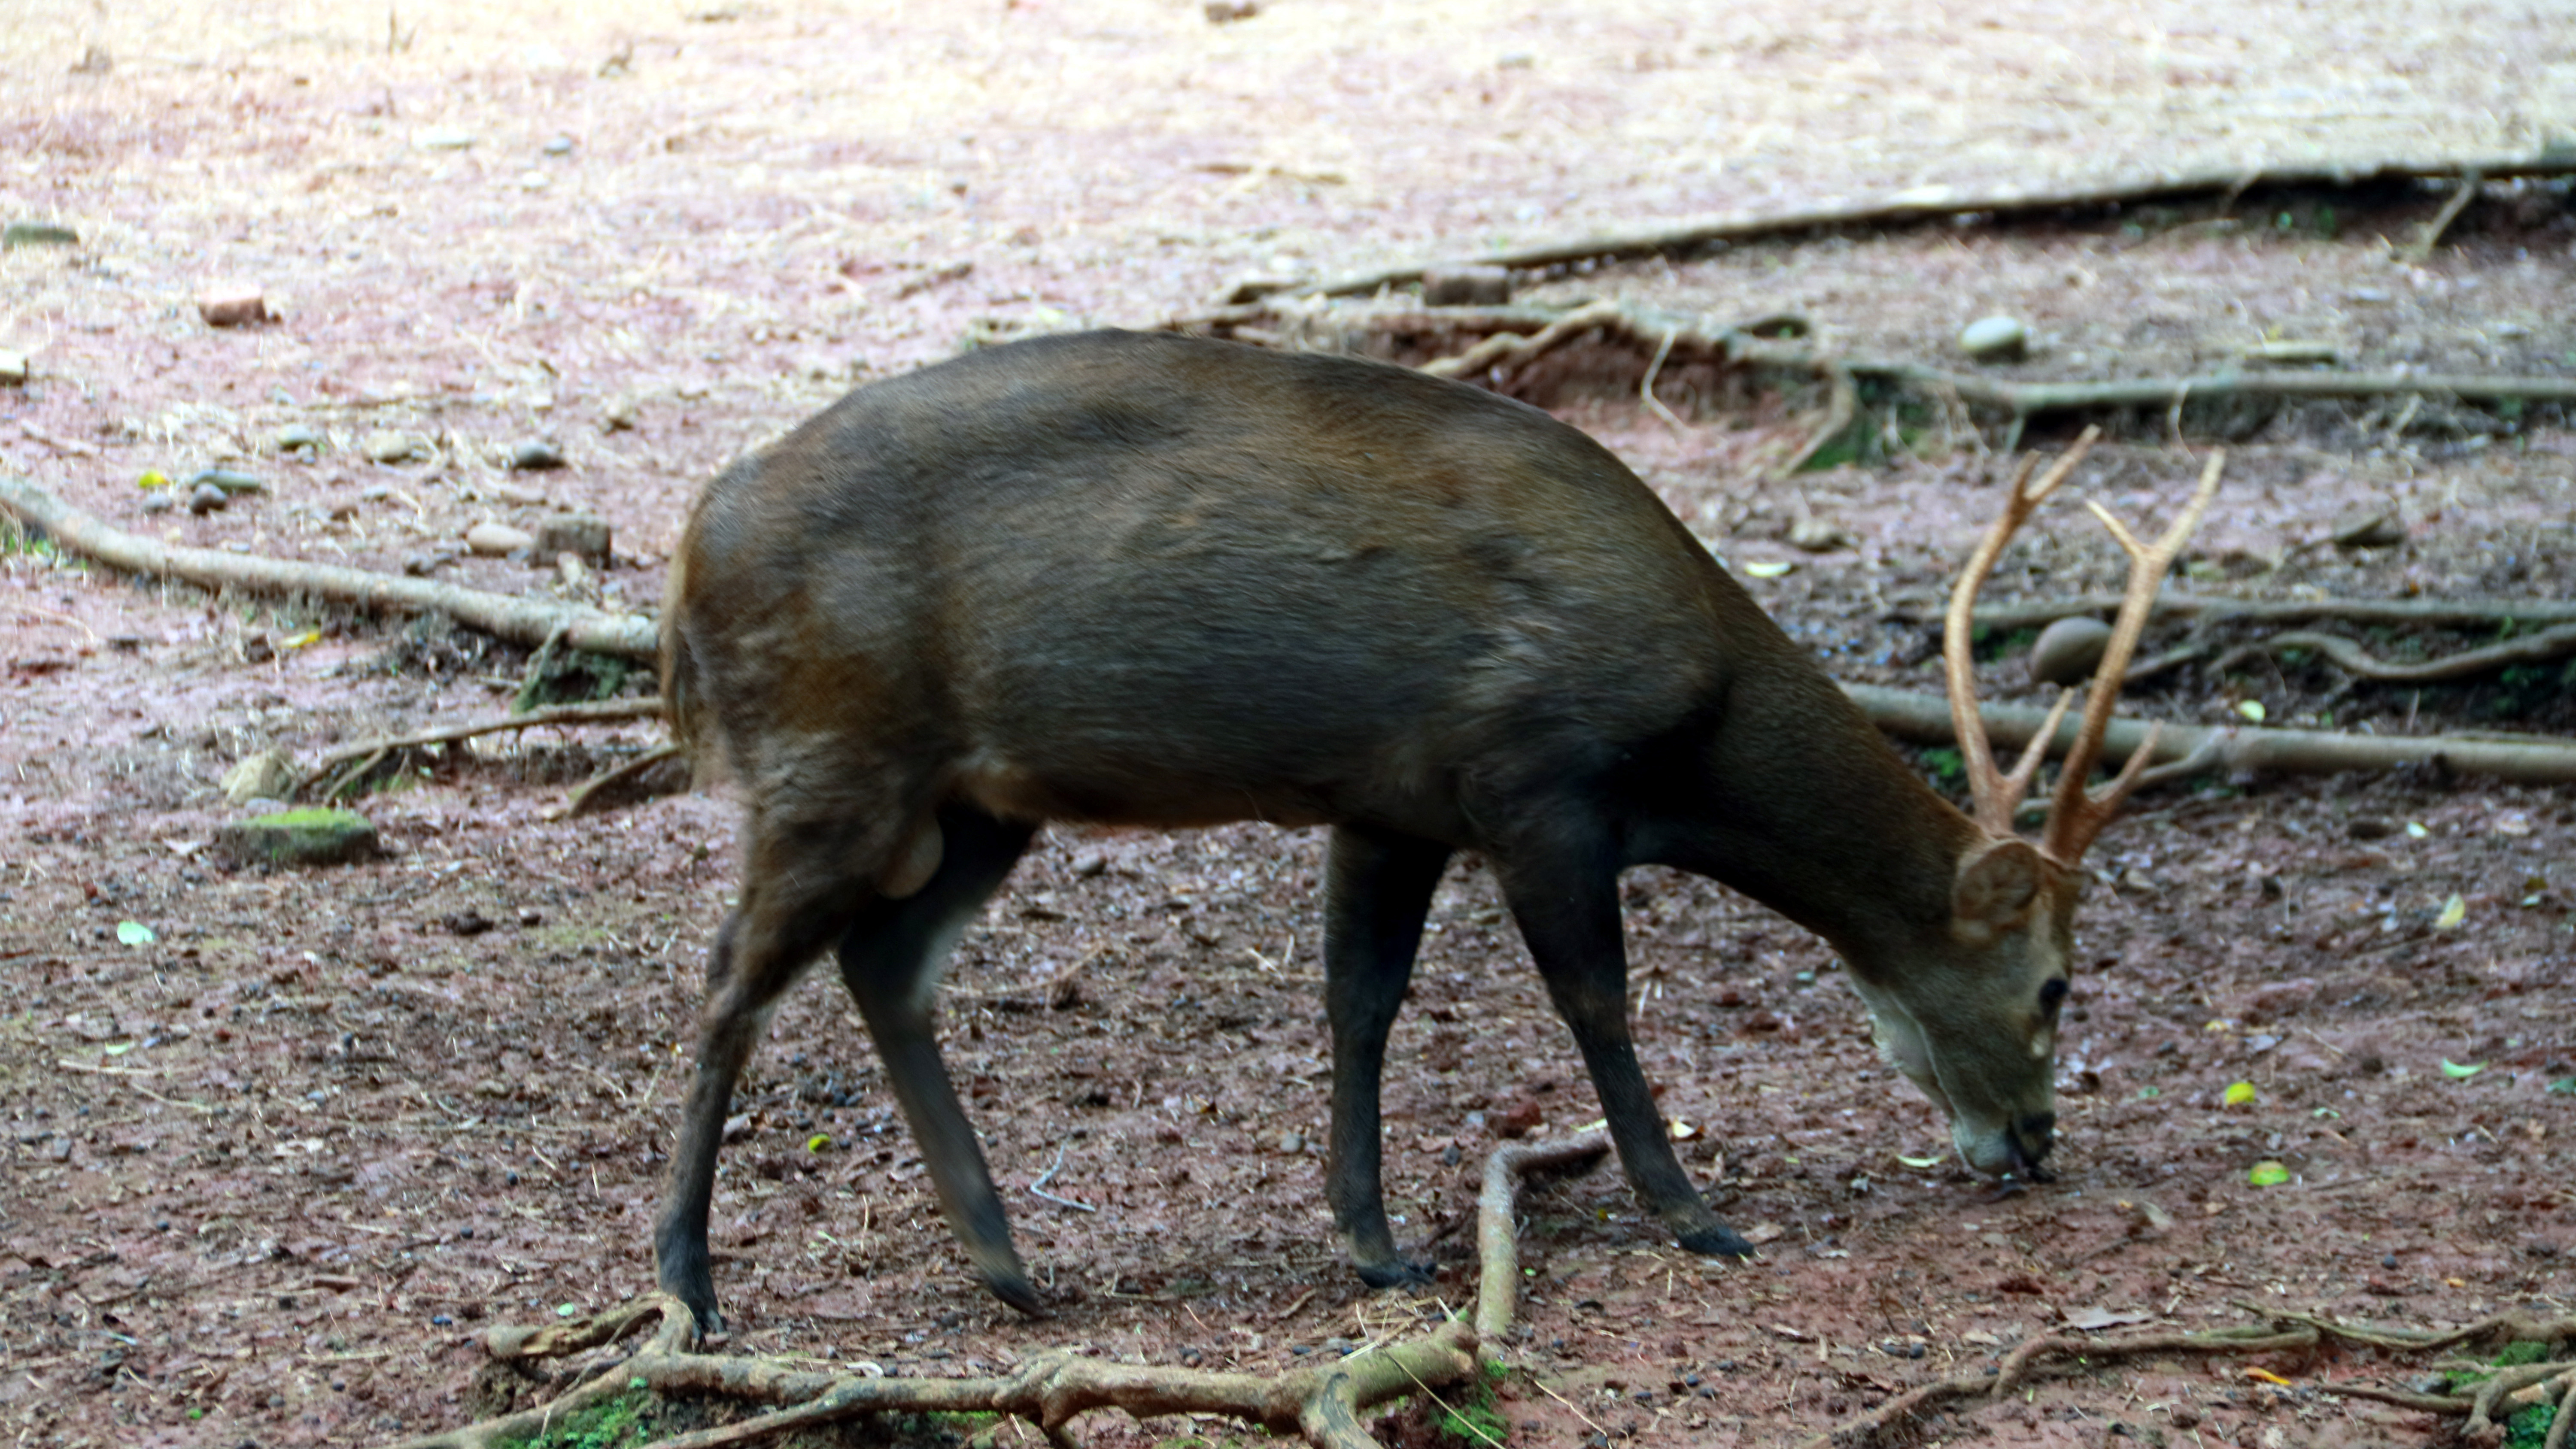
column 1800, row 804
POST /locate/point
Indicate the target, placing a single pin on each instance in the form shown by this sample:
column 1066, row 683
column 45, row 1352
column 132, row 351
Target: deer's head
column 1976, row 1026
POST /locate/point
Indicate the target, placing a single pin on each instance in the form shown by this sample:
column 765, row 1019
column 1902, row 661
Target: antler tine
column 2017, row 783
column 2075, row 817
column 1986, row 787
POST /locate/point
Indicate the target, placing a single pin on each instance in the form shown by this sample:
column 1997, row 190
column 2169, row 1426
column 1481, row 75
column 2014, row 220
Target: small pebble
column 231, row 480
column 159, row 501
column 13, row 368
column 207, row 498
column 1466, row 287
column 38, row 234
column 1815, row 535
column 584, row 535
column 558, row 146
column 388, row 446
column 2368, row 527
column 536, row 455
column 2068, row 650
column 232, row 304
column 1995, row 339
column 299, row 437
column 441, row 138
column 497, row 540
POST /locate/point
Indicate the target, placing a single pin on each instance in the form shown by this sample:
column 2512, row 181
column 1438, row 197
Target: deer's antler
column 2075, row 816
column 1996, row 795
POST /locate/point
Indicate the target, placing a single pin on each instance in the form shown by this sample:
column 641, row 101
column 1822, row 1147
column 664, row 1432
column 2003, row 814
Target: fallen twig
column 1498, row 1278
column 58, row 444
column 521, row 621
column 1038, row 1188
column 594, row 793
column 1510, row 349
column 1842, row 405
column 2421, row 249
column 606, row 711
column 52, row 616
column 2350, row 657
column 1322, row 1402
column 2278, row 1331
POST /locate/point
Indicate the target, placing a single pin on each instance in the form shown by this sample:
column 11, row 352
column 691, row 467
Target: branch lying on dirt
column 606, row 711
column 2420, row 250
column 1926, row 718
column 1048, row 1389
column 2521, row 1385
column 1920, row 204
column 607, row 787
column 2350, row 657
column 2553, row 643
column 364, row 755
column 2040, row 613
column 1512, row 336
column 520, row 621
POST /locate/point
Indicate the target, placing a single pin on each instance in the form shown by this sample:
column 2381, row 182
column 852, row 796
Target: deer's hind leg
column 891, row 958
column 803, row 883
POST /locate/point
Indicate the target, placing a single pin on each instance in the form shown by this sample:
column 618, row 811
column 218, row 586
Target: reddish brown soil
column 268, row 1173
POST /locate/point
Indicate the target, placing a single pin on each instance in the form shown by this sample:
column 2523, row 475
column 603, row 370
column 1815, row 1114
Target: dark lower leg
column 735, row 1014
column 1377, row 891
column 1569, row 913
column 891, row 959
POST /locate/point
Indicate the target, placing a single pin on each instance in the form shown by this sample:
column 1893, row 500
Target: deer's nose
column 2033, row 1136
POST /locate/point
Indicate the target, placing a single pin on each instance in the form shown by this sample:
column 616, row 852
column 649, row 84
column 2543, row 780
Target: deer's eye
column 2051, row 994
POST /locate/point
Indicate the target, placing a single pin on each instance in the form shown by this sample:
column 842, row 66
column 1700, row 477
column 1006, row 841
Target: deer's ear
column 1998, row 885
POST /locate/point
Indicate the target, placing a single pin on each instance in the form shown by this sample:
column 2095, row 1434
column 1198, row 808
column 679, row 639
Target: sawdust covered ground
column 269, row 1173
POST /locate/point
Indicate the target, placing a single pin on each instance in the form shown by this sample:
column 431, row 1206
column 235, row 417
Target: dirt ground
column 270, row 1170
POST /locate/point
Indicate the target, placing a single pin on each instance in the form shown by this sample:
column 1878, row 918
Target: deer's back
column 1140, row 577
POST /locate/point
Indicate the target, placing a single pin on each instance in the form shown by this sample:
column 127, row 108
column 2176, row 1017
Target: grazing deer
column 1144, row 579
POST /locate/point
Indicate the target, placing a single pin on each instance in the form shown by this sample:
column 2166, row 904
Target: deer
column 1150, row 580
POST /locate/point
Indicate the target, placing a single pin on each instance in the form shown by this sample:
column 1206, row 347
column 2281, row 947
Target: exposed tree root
column 2351, row 658
column 1512, row 336
column 2420, row 250
column 541, row 623
column 337, row 772
column 1323, row 1403
column 521, row 621
column 1926, row 717
column 2507, row 1391
column 2039, row 613
column 1931, row 202
column 1502, row 349
column 606, row 711
column 616, row 785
